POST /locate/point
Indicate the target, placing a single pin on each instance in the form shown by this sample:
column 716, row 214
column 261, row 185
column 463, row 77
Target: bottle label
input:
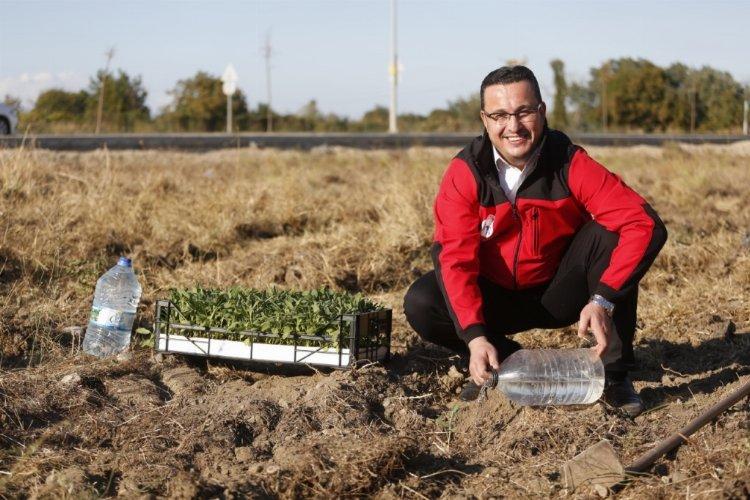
column 112, row 318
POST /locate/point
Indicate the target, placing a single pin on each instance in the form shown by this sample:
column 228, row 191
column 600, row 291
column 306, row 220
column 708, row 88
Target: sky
column 338, row 51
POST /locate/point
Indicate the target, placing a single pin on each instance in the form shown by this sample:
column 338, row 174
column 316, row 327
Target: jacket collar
column 481, row 150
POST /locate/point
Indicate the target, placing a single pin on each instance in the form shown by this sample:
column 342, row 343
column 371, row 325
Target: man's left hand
column 595, row 318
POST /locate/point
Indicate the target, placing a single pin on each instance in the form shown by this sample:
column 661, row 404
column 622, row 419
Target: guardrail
column 203, row 142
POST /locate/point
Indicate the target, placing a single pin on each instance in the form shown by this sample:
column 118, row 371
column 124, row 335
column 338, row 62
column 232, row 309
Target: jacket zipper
column 518, row 245
column 535, row 218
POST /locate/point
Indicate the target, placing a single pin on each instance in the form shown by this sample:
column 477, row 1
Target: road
column 208, row 141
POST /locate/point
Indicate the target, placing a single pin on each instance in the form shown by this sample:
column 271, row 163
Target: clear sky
column 337, row 51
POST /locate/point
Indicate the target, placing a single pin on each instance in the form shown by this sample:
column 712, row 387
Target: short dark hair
column 509, row 74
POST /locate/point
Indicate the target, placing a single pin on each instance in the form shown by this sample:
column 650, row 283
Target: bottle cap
column 124, row 261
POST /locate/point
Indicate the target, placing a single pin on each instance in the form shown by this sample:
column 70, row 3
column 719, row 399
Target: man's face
column 514, row 137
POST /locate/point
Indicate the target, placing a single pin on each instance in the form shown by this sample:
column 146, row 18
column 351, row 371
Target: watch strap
column 604, row 303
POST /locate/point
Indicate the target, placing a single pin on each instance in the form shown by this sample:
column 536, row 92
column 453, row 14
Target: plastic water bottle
column 115, row 302
column 538, row 377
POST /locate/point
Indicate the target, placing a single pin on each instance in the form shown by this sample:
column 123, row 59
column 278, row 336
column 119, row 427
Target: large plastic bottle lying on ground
column 115, row 302
column 538, row 377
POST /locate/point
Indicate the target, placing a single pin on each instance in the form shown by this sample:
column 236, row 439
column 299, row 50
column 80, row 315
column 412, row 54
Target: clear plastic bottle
column 538, row 377
column 115, row 303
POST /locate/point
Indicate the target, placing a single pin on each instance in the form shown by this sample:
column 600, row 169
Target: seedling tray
column 362, row 337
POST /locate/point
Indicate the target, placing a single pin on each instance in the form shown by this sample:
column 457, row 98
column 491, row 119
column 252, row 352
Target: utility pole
column 267, row 52
column 100, row 107
column 229, row 114
column 392, row 115
column 692, row 110
column 746, row 110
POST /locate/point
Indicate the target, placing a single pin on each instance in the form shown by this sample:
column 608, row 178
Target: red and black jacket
column 478, row 231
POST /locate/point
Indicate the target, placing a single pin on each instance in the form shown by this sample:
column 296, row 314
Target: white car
column 8, row 120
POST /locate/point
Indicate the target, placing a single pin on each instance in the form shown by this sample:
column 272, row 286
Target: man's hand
column 483, row 356
column 595, row 318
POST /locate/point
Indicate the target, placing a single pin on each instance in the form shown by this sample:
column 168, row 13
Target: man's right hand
column 483, row 357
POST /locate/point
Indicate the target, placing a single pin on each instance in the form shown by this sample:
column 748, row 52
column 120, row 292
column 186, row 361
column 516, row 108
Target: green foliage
column 620, row 95
column 144, row 337
column 307, row 119
column 636, row 90
column 559, row 115
column 282, row 313
column 719, row 99
column 635, row 94
column 464, row 114
column 56, row 105
column 199, row 105
column 123, row 108
column 460, row 115
column 124, row 103
column 375, row 120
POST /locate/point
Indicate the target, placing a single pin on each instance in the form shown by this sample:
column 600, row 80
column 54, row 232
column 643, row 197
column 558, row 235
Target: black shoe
column 470, row 392
column 505, row 346
column 621, row 394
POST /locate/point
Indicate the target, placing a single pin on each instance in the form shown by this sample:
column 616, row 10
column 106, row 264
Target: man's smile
column 515, row 139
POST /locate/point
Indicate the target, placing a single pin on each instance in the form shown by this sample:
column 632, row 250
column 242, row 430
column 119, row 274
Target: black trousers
column 554, row 305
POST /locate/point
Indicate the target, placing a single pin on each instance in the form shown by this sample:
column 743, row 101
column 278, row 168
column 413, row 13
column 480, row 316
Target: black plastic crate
column 362, row 337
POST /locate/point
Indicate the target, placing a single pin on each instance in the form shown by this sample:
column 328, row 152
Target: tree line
column 620, row 95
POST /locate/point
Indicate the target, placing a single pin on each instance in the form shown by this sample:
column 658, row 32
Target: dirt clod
column 71, row 379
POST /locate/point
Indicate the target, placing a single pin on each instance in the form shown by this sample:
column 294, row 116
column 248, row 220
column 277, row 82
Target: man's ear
column 543, row 110
column 484, row 119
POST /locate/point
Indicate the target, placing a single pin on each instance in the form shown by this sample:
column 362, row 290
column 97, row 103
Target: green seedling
column 285, row 314
column 145, row 337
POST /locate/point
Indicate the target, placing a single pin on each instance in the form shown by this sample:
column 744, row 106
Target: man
column 531, row 232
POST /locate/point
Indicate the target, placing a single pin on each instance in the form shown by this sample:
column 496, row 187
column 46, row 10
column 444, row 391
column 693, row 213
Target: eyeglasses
column 524, row 115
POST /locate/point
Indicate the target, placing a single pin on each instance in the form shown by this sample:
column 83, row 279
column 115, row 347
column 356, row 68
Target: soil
column 155, row 425
column 148, row 425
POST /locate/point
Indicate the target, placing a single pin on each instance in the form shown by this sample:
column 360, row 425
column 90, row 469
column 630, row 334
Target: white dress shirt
column 511, row 177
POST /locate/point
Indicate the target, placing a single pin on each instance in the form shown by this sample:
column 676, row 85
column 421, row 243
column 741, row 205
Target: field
column 147, row 425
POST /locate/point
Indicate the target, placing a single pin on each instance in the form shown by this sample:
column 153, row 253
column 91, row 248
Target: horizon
column 47, row 45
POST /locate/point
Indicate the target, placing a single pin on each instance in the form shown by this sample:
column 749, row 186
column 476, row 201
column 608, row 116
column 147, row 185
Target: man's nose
column 513, row 124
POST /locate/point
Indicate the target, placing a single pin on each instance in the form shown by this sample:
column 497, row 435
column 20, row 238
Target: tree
column 640, row 95
column 719, row 100
column 559, row 116
column 58, row 106
column 124, row 101
column 375, row 120
column 585, row 113
column 198, row 104
column 680, row 97
column 466, row 113
column 637, row 93
column 461, row 115
column 629, row 94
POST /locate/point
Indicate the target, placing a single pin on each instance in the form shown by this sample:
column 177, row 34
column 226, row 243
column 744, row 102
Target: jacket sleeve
column 455, row 251
column 621, row 210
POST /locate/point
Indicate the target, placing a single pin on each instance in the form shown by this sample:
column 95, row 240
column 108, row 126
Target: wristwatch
column 607, row 305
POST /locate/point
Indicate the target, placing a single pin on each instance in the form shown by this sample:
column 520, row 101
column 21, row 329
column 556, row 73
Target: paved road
column 203, row 142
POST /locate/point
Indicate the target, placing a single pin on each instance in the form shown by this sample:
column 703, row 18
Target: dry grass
column 353, row 220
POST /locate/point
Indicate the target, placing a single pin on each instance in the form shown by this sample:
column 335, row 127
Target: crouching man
column 531, row 232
